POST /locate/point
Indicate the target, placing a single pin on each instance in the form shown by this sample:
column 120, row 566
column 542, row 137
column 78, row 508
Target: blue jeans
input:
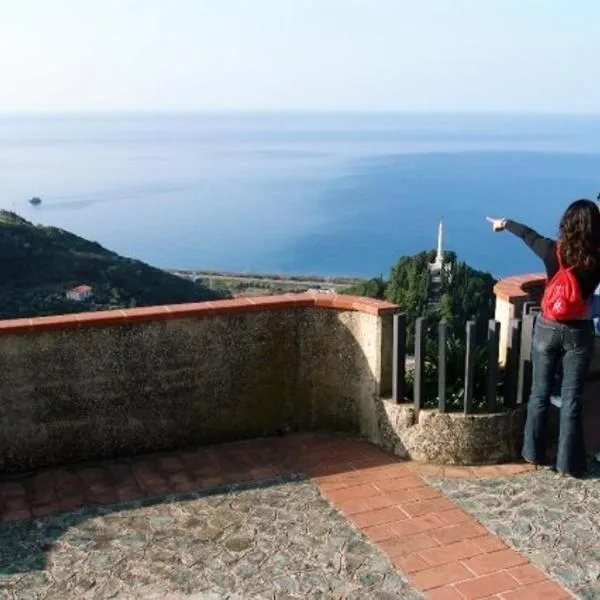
column 569, row 345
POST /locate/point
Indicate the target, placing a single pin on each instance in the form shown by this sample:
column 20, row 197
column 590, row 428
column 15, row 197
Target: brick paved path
column 443, row 551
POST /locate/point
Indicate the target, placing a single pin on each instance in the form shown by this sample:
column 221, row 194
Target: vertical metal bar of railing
column 513, row 352
column 399, row 358
column 469, row 367
column 493, row 340
column 524, row 379
column 442, row 361
column 419, row 380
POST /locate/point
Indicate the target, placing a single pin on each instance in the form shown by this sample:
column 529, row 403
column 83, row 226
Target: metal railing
column 506, row 386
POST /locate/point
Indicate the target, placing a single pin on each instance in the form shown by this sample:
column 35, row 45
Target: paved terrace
column 300, row 516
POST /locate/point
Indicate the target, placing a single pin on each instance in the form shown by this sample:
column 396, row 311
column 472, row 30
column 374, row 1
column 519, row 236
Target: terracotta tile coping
column 515, row 287
column 196, row 309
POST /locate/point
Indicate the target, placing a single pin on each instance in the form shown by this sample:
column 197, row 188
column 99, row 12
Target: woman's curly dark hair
column 579, row 234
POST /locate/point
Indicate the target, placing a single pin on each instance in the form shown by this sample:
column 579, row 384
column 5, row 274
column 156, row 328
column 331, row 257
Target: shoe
column 566, row 475
column 535, row 463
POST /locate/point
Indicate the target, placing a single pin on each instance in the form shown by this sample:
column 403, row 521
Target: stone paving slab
column 273, row 540
column 442, row 550
column 552, row 520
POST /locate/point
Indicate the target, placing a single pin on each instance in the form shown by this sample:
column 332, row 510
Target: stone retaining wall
column 97, row 385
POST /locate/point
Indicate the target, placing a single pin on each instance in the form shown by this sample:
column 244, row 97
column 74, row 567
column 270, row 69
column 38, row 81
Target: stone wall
column 511, row 294
column 97, row 385
column 450, row 438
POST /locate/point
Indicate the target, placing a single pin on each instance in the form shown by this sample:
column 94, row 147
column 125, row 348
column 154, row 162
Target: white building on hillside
column 79, row 293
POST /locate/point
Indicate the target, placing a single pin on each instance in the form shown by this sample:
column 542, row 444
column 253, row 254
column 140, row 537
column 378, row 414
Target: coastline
column 253, row 284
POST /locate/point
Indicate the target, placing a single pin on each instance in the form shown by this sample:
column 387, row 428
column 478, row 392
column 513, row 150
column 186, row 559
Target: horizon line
column 293, row 111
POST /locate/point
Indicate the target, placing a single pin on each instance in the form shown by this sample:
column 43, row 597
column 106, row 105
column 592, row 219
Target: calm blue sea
column 319, row 193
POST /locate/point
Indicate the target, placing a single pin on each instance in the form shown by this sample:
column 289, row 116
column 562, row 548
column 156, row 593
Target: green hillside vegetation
column 39, row 264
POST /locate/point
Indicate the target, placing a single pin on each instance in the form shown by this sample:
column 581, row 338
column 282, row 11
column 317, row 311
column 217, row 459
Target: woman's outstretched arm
column 541, row 245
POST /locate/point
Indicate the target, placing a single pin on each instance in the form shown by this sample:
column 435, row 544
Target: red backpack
column 562, row 300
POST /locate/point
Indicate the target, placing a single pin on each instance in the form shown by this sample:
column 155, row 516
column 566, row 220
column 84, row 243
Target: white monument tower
column 438, row 263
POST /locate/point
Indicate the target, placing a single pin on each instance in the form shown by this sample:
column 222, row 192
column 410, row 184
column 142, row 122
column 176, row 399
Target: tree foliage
column 372, row 288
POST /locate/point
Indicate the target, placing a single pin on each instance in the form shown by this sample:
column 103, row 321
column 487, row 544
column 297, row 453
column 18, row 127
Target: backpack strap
column 560, row 262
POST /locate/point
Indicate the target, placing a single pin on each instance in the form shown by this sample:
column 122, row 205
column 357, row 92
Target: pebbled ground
column 276, row 539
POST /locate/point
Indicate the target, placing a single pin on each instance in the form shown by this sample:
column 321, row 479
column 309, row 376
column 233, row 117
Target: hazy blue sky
column 483, row 55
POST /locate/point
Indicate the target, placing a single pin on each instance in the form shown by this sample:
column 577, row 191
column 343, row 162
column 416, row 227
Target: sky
column 279, row 55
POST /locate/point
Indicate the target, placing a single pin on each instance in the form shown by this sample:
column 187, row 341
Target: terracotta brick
column 40, row 488
column 424, row 507
column 170, row 464
column 495, row 561
column 515, row 469
column 490, row 543
column 378, row 517
column 128, row 493
column 451, row 552
column 459, row 532
column 92, row 477
column 413, row 494
column 10, row 489
column 120, row 474
column 332, row 483
column 398, row 469
column 182, row 482
column 447, row 592
column 105, row 496
column 454, row 517
column 487, row 471
column 380, row 533
column 488, row 585
column 409, row 563
column 439, row 576
column 72, row 502
column 43, row 510
column 358, row 491
column 427, row 470
column 417, row 525
column 359, row 505
column 379, row 460
column 452, row 472
column 15, row 503
column 67, row 483
column 367, row 476
column 401, row 546
column 400, row 483
column 15, row 514
column 544, row 590
column 527, row 574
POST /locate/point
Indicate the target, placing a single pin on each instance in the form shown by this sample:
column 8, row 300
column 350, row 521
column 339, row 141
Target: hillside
column 39, row 264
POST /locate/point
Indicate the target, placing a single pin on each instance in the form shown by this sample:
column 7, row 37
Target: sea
column 314, row 193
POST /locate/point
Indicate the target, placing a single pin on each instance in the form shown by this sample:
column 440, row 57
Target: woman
column 559, row 341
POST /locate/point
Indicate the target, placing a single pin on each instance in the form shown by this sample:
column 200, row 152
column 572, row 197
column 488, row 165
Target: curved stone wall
column 451, row 438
